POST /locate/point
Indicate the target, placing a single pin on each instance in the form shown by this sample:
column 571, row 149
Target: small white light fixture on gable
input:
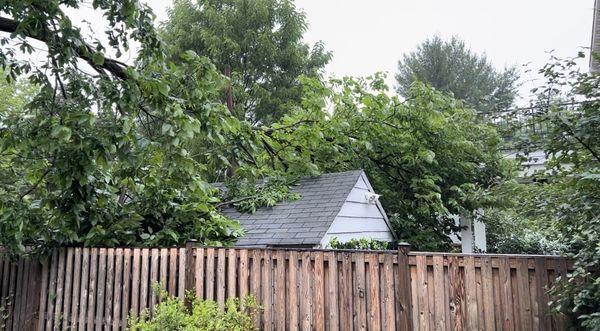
column 372, row 198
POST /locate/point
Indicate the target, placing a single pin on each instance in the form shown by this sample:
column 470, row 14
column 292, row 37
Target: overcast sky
column 370, row 36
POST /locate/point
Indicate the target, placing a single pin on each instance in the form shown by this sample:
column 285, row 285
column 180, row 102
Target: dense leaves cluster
column 99, row 154
column 428, row 156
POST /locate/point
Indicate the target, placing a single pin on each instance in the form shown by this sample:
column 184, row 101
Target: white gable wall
column 358, row 219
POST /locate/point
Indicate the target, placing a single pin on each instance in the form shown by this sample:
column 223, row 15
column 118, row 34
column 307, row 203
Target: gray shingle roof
column 301, row 222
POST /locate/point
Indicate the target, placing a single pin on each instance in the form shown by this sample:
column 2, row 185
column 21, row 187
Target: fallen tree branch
column 84, row 52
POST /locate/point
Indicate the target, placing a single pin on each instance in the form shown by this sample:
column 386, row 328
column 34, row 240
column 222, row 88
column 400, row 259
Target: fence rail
column 97, row 288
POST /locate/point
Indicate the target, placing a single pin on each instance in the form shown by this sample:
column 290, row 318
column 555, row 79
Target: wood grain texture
column 373, row 302
column 292, row 290
column 439, row 289
column 360, row 293
column 89, row 289
column 472, row 322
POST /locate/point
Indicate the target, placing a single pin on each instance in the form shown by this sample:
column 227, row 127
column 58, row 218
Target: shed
column 342, row 205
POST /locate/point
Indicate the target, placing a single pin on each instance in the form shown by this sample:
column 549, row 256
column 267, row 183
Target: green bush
column 369, row 244
column 204, row 315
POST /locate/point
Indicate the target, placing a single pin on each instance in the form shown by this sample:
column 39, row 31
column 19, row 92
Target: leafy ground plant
column 203, row 315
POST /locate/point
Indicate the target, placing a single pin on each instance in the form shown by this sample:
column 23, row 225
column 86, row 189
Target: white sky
column 367, row 36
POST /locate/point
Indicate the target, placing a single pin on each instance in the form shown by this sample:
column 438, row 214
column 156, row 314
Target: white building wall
column 358, row 218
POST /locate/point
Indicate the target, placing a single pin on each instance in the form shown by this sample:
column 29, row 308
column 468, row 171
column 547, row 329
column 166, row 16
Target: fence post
column 190, row 271
column 405, row 312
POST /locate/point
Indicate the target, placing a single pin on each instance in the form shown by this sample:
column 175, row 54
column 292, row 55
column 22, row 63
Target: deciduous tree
column 258, row 42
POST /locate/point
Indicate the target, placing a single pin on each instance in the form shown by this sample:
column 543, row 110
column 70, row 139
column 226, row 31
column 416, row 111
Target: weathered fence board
column 98, row 288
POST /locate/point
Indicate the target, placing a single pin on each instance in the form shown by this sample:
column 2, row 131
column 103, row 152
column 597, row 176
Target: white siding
column 358, row 219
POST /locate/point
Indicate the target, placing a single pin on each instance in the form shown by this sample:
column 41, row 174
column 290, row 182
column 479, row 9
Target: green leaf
column 98, row 58
column 164, row 89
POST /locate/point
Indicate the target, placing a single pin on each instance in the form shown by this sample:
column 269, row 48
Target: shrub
column 370, row 244
column 203, row 315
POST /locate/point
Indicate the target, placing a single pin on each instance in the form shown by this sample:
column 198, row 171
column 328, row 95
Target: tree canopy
column 428, row 156
column 259, row 42
column 114, row 154
column 452, row 67
column 79, row 162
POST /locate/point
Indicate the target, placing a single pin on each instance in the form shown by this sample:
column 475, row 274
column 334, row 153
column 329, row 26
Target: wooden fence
column 96, row 288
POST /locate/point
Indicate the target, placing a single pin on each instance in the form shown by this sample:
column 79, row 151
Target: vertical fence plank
column 497, row 296
column 535, row 309
column 199, row 271
column 456, row 293
column 255, row 281
column 404, row 310
column 109, row 290
column 541, row 273
column 373, row 302
column 5, row 280
column 210, row 274
column 20, row 298
column 16, row 298
column 305, row 290
column 422, row 289
column 293, row 291
column 91, row 305
column 51, row 291
column 33, row 294
column 68, row 289
column 83, row 298
column 154, row 274
column 523, row 292
column 127, row 289
column 244, row 273
column 60, row 283
column 506, row 294
column 360, row 322
column 116, row 316
column 319, row 292
column 471, row 294
column 173, row 271
column 267, row 291
column 182, row 274
column 221, row 277
column 231, row 273
column 100, row 301
column 438, row 289
column 11, row 297
column 334, row 303
column 164, row 268
column 144, row 279
column 387, row 299
column 479, row 295
column 488, row 293
column 345, row 296
column 43, row 291
column 135, row 282
column 279, row 291
column 77, row 275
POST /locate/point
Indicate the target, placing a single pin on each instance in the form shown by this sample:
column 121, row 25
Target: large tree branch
column 84, row 52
